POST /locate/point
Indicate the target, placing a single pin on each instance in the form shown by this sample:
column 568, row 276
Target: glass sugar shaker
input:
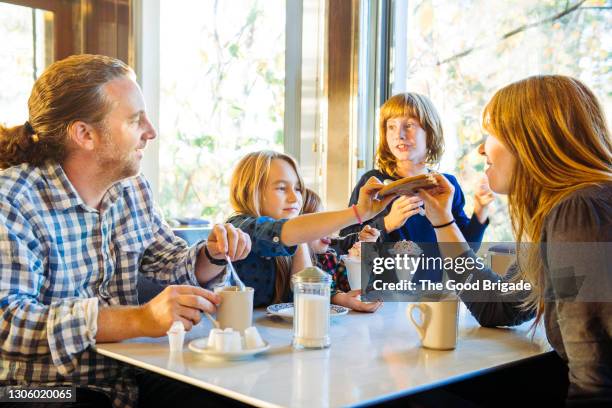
column 311, row 293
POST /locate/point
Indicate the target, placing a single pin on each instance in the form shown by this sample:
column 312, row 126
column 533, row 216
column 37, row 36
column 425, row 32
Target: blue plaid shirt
column 61, row 260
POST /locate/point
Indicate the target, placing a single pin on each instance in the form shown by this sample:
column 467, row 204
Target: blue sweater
column 417, row 228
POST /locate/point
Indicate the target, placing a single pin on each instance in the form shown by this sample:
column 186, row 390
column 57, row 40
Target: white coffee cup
column 438, row 327
column 353, row 272
column 236, row 308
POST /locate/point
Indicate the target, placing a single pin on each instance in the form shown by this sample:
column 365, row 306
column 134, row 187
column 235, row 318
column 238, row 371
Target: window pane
column 459, row 53
column 222, row 95
column 25, row 50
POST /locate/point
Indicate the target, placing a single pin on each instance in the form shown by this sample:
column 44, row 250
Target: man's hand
column 177, row 302
column 228, row 240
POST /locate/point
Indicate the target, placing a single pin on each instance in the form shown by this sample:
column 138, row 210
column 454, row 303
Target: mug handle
column 419, row 327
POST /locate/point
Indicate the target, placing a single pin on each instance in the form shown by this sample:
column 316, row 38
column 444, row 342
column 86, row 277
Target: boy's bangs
column 399, row 107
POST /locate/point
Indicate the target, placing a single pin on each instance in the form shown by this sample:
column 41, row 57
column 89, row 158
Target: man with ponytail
column 77, row 227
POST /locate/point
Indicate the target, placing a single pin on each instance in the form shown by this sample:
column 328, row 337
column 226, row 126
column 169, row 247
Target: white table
column 373, row 357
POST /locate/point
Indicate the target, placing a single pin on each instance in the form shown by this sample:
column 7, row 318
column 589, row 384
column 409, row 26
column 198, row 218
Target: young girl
column 549, row 150
column 411, row 140
column 325, row 258
column 266, row 194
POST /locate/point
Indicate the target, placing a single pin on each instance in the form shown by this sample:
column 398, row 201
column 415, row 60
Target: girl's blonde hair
column 246, row 194
column 556, row 130
column 416, row 106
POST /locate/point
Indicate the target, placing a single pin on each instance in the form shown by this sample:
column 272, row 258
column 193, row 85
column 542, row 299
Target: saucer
column 200, row 346
column 285, row 311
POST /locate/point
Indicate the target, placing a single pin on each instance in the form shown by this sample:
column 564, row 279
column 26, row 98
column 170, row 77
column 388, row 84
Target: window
column 222, row 74
column 27, row 48
column 459, row 53
column 35, row 33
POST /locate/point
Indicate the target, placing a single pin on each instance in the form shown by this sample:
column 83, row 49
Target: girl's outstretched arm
column 310, row 227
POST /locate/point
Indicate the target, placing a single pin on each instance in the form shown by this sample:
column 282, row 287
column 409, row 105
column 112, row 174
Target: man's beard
column 116, row 166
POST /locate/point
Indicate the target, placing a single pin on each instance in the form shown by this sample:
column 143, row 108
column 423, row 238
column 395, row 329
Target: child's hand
column 483, row 197
column 402, row 209
column 369, row 234
column 351, row 301
column 368, row 205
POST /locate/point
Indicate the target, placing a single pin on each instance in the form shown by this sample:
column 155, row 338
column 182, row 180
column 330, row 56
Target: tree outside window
column 459, row 53
column 222, row 95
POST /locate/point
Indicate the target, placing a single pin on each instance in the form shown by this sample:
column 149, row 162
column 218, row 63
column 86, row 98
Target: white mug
column 438, row 329
column 353, row 272
column 236, row 308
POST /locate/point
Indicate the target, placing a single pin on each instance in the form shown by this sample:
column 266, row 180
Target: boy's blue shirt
column 417, row 228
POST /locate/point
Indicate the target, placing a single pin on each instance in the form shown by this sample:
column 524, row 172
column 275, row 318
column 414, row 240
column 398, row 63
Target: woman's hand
column 369, row 234
column 368, row 205
column 351, row 300
column 483, row 197
column 439, row 201
column 227, row 240
column 402, row 209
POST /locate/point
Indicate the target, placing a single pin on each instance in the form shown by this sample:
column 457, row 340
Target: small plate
column 200, row 346
column 285, row 310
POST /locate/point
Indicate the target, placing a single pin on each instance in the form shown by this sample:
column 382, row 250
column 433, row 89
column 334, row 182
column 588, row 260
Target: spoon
column 234, row 274
column 339, row 238
column 212, row 320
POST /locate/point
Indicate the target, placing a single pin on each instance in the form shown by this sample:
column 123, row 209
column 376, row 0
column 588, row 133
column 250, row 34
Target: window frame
column 302, row 84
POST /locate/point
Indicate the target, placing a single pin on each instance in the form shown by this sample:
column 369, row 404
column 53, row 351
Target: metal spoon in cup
column 212, row 320
column 234, row 274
